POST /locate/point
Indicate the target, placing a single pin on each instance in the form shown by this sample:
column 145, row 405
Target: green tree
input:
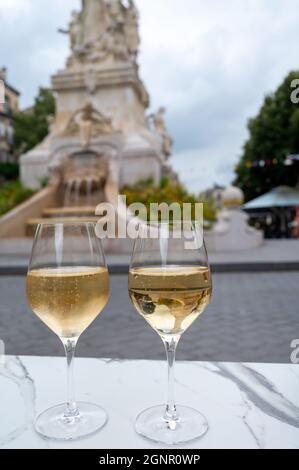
column 273, row 135
column 32, row 126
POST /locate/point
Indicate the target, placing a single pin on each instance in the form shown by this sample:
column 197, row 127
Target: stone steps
column 70, row 212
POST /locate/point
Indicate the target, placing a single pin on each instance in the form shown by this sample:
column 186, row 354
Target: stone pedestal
column 232, row 231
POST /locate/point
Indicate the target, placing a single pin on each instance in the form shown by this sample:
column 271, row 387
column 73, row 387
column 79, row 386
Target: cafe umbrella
column 280, row 202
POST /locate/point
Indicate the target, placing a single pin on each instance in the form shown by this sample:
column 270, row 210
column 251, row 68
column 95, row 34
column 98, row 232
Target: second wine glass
column 67, row 288
column 170, row 286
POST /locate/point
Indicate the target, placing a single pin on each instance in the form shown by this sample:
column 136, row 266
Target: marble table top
column 247, row 405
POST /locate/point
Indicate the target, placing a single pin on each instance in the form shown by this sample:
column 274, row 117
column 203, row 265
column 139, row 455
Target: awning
column 283, row 196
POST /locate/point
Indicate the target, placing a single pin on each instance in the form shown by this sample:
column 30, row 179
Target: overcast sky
column 210, row 62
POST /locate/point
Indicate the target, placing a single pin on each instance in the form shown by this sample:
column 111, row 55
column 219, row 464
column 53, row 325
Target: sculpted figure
column 75, row 32
column 117, row 33
column 96, row 20
column 85, row 125
column 161, row 129
column 88, row 123
column 118, row 44
column 132, row 34
column 104, row 29
column 117, row 11
column 159, row 121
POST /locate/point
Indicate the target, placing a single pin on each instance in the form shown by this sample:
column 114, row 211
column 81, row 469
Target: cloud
column 30, row 46
column 209, row 62
column 212, row 66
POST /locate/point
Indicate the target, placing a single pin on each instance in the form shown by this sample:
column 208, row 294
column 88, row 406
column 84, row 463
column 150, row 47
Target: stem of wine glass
column 70, row 348
column 171, row 414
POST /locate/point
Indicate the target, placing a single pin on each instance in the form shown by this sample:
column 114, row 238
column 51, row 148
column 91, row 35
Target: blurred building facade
column 7, row 111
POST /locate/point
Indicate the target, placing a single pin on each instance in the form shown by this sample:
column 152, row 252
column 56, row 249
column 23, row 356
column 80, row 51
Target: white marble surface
column 247, row 405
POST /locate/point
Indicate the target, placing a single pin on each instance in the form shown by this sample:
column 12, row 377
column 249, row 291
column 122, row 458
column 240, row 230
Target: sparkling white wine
column 68, row 300
column 170, row 298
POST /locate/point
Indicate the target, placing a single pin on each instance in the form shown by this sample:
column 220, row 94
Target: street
column 253, row 317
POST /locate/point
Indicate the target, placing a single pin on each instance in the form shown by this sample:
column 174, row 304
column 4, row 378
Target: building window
column 7, row 105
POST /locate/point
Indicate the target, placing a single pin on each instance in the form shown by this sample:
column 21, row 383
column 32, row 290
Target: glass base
column 190, row 426
column 53, row 424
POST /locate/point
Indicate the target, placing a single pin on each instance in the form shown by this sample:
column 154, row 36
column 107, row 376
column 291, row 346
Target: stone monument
column 101, row 103
column 232, row 231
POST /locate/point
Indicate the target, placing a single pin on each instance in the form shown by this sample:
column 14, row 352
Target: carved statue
column 96, row 20
column 117, row 11
column 85, row 125
column 132, row 33
column 118, row 47
column 104, row 29
column 75, row 32
column 159, row 121
column 88, row 123
column 161, row 129
column 117, row 31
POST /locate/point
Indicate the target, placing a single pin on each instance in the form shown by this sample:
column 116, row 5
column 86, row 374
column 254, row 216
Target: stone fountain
column 83, row 174
column 102, row 102
column 101, row 137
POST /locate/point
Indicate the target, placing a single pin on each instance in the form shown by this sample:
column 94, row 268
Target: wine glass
column 67, row 288
column 170, row 286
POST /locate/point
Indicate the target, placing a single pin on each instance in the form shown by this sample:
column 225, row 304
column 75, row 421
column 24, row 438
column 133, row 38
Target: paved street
column 17, row 252
column 253, row 317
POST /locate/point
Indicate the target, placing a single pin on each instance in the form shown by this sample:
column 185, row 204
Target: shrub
column 146, row 192
column 13, row 194
column 9, row 171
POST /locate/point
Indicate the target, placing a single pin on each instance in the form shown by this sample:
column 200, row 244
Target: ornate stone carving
column 132, row 30
column 158, row 121
column 88, row 123
column 75, row 32
column 104, row 30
